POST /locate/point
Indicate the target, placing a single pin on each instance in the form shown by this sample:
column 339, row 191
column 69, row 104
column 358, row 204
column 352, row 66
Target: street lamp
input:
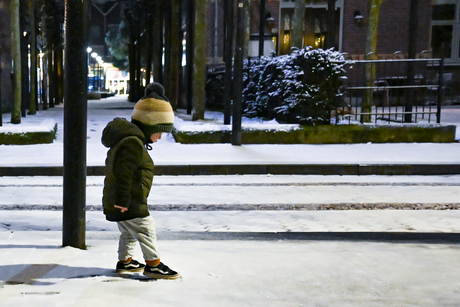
column 88, row 50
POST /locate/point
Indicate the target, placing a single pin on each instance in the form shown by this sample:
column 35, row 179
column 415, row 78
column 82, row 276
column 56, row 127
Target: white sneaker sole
column 161, row 276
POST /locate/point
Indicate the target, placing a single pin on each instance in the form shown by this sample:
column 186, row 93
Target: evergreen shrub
column 302, row 87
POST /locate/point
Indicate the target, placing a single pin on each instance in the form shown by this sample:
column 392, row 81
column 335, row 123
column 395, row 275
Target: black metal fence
column 394, row 90
column 378, row 90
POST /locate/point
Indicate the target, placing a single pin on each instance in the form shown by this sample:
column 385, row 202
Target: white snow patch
column 46, row 125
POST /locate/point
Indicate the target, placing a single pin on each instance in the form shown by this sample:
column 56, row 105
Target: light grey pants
column 140, row 230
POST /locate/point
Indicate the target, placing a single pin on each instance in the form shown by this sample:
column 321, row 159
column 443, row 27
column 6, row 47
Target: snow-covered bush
column 302, row 87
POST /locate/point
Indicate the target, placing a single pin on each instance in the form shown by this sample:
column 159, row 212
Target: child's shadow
column 42, row 274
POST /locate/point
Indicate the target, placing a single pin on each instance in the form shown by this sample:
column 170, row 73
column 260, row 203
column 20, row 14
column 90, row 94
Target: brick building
column 350, row 31
column 438, row 29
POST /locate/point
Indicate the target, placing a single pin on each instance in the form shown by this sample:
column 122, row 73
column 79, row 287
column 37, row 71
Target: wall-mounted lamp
column 269, row 20
column 358, row 18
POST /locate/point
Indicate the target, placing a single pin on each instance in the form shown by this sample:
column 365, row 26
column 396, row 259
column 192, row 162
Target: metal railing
column 394, row 90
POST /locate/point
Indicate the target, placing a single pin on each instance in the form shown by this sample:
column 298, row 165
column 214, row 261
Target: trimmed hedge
column 28, row 138
column 327, row 134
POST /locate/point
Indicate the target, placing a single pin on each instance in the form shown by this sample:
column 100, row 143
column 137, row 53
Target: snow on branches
column 302, row 87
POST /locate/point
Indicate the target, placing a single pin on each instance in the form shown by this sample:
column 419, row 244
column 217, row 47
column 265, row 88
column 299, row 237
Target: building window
column 445, row 30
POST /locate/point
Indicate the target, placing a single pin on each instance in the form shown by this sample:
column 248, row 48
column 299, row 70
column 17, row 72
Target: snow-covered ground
column 35, row 271
column 237, row 270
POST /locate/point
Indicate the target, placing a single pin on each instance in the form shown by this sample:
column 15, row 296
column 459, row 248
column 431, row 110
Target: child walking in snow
column 129, row 177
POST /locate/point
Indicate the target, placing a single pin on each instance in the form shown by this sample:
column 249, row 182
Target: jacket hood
column 118, row 129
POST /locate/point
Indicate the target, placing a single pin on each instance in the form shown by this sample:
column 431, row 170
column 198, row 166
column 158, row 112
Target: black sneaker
column 132, row 266
column 160, row 271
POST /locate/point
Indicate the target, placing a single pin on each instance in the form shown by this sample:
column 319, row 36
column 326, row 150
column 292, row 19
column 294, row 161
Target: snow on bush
column 302, row 87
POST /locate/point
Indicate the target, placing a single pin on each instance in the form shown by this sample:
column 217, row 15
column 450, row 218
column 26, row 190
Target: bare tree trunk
column 199, row 78
column 139, row 92
column 33, row 60
column 298, row 22
column 23, row 8
column 371, row 48
column 191, row 7
column 167, row 13
column 149, row 38
column 132, row 58
column 412, row 51
column 330, row 36
column 51, row 79
column 158, row 42
column 176, row 54
column 59, row 74
column 16, row 54
column 238, row 74
column 45, row 83
column 228, row 59
column 247, row 28
column 261, row 27
column 59, row 58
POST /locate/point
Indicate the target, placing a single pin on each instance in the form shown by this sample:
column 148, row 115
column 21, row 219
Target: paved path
column 258, row 204
column 251, row 192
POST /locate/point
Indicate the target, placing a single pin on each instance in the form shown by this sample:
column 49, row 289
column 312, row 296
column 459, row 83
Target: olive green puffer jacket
column 129, row 171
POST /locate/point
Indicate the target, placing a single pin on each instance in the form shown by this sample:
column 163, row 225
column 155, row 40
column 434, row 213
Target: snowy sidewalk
column 36, row 271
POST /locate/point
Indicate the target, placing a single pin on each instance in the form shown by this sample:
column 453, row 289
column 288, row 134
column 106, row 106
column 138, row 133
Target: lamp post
column 75, row 126
column 94, row 56
column 102, row 75
column 99, row 61
column 88, row 64
column 238, row 76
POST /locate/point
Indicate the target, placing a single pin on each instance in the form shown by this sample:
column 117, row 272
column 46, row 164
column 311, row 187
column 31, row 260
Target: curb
column 256, row 169
column 408, row 237
column 256, row 207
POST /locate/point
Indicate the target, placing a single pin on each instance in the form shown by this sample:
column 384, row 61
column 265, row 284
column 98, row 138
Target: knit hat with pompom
column 153, row 113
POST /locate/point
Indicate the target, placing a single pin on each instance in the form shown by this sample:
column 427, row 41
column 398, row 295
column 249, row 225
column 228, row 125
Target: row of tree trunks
column 25, row 82
column 155, row 35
